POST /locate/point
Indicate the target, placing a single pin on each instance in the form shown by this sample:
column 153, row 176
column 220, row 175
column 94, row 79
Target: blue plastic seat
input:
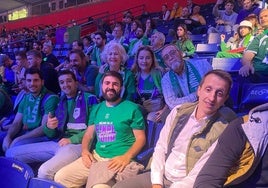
column 198, row 38
column 227, row 64
column 206, row 49
column 43, row 183
column 14, row 174
column 152, row 134
column 214, row 38
column 253, row 94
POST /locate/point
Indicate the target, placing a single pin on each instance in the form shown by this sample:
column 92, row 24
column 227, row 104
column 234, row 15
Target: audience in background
column 7, row 75
column 135, row 44
column 255, row 60
column 157, row 44
column 188, row 21
column 85, row 74
column 244, row 37
column 165, row 12
column 225, row 19
column 118, row 36
column 127, row 21
column 132, row 34
column 249, row 7
column 48, row 56
column 199, row 20
column 184, row 43
column 150, row 28
column 190, row 6
column 88, row 46
column 19, row 70
column 34, row 58
column 175, row 12
column 257, row 29
column 100, row 41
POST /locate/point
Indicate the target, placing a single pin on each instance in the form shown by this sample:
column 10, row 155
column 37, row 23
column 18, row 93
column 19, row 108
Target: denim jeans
column 55, row 156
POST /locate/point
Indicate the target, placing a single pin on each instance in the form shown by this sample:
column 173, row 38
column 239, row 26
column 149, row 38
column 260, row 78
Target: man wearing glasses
column 180, row 83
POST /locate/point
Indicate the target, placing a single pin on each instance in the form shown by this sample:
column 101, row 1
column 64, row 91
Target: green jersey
column 33, row 108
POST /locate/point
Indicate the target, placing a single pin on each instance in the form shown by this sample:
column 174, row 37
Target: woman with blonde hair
column 148, row 81
column 114, row 55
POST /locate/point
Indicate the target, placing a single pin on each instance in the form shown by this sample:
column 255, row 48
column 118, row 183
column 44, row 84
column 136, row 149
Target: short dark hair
column 22, row 54
column 79, row 43
column 102, row 34
column 34, row 70
column 64, row 72
column 113, row 74
column 34, row 53
column 223, row 75
column 87, row 37
column 79, row 52
column 229, row 1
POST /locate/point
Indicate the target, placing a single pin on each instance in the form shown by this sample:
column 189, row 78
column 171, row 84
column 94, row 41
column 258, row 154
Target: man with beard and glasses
column 33, row 110
column 180, row 83
column 119, row 129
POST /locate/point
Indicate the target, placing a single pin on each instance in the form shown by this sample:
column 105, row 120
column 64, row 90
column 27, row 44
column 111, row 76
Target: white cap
column 246, row 23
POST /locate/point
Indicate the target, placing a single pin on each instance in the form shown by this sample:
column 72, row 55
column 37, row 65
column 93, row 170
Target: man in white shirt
column 188, row 137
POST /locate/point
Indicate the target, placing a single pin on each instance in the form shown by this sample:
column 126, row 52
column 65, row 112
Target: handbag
column 153, row 105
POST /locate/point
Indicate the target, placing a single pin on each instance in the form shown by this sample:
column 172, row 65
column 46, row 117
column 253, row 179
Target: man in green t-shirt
column 119, row 128
column 33, row 110
column 66, row 128
column 255, row 57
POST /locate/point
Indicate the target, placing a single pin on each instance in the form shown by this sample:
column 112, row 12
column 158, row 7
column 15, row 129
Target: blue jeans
column 55, row 156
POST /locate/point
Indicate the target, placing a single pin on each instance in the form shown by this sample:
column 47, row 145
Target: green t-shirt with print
column 114, row 127
column 31, row 108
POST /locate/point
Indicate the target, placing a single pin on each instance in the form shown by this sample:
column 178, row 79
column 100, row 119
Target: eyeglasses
column 170, row 54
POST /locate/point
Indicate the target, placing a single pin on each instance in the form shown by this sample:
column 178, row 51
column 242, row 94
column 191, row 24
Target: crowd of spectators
column 55, row 102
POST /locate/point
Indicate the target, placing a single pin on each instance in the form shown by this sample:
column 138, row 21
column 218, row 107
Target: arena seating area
column 207, row 45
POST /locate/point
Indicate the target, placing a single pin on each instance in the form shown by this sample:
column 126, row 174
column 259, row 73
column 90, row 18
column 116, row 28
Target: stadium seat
column 66, row 46
column 57, row 47
column 43, row 183
column 22, row 49
column 207, row 51
column 227, row 64
column 214, row 38
column 14, row 174
column 198, row 38
column 252, row 96
column 56, row 53
column 152, row 134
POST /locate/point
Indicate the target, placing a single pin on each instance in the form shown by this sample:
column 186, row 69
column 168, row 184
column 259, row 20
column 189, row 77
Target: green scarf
column 246, row 40
column 193, row 80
